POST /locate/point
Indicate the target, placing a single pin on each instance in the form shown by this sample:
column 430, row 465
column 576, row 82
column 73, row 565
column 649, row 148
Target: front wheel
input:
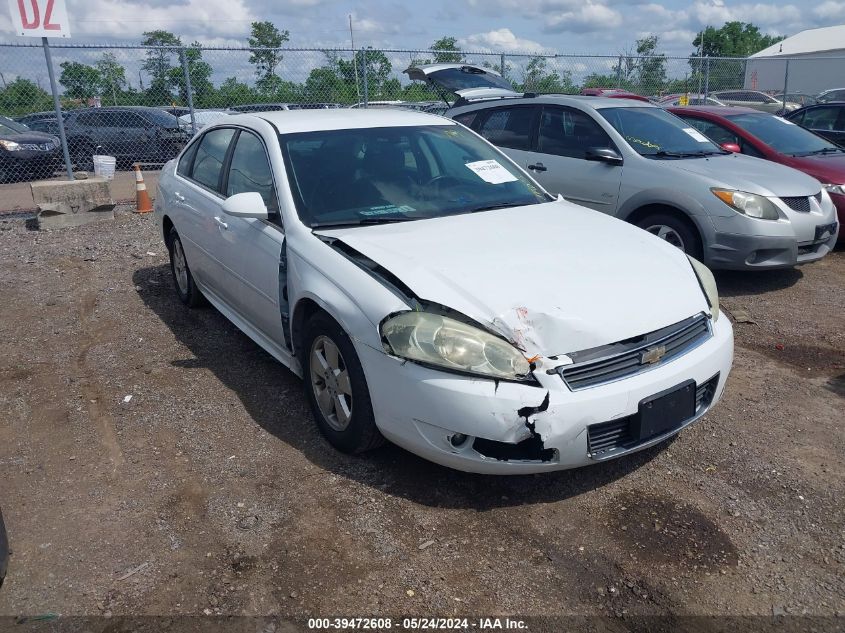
column 336, row 387
column 186, row 288
column 677, row 232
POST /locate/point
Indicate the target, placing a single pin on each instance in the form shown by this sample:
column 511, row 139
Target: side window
column 250, row 171
column 821, row 118
column 566, row 132
column 466, row 118
column 187, row 161
column 509, row 127
column 714, row 131
column 131, row 120
column 210, row 156
column 90, row 119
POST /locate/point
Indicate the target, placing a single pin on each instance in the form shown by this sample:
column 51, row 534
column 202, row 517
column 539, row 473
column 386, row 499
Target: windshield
column 781, row 135
column 161, row 118
column 7, row 126
column 655, row 133
column 392, row 174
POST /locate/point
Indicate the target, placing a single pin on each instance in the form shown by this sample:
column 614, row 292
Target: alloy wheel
column 330, row 383
column 668, row 234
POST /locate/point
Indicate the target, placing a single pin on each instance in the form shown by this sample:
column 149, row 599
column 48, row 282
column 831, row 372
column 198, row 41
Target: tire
column 83, row 156
column 341, row 406
column 674, row 230
column 183, row 280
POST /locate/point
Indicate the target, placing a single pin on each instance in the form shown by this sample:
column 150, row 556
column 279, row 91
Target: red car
column 770, row 137
column 614, row 93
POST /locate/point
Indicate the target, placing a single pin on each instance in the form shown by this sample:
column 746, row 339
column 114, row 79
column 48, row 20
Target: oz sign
column 39, row 18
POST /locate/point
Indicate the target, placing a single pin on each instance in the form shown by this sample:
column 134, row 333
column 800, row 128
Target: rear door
column 512, row 129
column 560, row 164
column 199, row 200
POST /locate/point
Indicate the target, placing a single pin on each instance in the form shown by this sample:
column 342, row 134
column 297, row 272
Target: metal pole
column 619, row 73
column 706, row 78
column 785, row 84
column 366, row 85
column 58, row 107
column 502, row 65
column 186, row 71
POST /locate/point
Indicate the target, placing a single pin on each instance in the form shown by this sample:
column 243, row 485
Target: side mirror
column 731, row 147
column 603, row 155
column 249, row 204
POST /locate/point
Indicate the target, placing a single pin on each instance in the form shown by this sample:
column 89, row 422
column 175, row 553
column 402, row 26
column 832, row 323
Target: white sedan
column 428, row 291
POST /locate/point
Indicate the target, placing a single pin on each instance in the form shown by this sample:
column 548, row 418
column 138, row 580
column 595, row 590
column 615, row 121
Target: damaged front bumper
column 481, row 425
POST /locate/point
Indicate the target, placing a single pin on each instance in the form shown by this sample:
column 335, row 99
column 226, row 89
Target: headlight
column 708, row 285
column 10, row 145
column 838, row 189
column 749, row 204
column 437, row 340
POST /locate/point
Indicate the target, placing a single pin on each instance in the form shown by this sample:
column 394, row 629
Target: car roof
column 719, row 110
column 594, row 102
column 291, row 121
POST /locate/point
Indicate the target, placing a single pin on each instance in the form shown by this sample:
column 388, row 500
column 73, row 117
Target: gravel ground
column 153, row 460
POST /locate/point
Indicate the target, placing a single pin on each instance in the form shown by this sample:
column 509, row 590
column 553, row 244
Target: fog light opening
column 458, row 440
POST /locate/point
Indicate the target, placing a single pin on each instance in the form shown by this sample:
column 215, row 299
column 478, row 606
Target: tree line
column 642, row 69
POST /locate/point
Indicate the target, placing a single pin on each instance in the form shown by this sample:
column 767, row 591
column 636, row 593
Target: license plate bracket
column 665, row 411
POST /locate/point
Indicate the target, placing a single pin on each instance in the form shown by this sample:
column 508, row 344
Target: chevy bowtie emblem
column 652, row 355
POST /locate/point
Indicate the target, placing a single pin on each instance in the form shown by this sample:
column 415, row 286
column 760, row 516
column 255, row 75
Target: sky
column 554, row 26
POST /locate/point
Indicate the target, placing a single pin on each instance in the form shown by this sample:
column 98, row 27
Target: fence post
column 366, row 81
column 785, row 84
column 706, row 78
column 502, row 65
column 187, row 72
column 58, row 107
column 619, row 74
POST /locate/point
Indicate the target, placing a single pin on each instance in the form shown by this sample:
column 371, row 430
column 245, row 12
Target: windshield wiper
column 664, row 154
column 824, row 150
column 491, row 207
column 359, row 222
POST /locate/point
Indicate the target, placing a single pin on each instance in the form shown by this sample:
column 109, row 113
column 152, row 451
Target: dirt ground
column 155, row 461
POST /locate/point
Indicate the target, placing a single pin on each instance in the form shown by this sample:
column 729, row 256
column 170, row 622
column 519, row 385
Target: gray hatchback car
column 642, row 164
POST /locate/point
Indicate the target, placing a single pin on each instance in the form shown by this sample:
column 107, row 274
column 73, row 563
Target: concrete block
column 64, row 203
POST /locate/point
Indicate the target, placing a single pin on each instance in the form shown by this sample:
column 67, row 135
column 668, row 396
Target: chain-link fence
column 142, row 104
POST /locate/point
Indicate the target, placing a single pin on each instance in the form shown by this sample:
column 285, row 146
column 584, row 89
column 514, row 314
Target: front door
column 563, row 138
column 250, row 250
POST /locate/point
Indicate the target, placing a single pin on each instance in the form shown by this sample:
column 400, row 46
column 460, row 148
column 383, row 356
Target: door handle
column 179, row 196
column 538, row 167
column 220, row 223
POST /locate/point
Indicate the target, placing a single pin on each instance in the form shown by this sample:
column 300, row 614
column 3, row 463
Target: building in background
column 816, row 62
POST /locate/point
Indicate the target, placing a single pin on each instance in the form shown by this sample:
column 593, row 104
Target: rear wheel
column 336, row 387
column 186, row 289
column 674, row 230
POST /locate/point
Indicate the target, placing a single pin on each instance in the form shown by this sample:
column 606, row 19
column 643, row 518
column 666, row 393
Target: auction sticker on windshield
column 698, row 136
column 491, row 171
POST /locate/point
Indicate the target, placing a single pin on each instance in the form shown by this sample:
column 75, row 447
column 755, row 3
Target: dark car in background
column 26, row 154
column 825, row 119
column 129, row 133
column 834, row 94
column 4, row 550
column 35, row 117
column 770, row 137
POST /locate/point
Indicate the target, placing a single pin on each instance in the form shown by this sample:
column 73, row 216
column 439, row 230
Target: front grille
column 800, row 204
column 619, row 434
column 611, row 362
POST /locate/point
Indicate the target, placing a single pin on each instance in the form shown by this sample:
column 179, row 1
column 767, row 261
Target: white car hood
column 552, row 278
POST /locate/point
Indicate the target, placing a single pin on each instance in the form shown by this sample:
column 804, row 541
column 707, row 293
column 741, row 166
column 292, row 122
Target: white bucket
column 104, row 166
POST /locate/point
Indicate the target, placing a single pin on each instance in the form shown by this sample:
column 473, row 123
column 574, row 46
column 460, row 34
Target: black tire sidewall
column 361, row 434
column 692, row 242
column 192, row 298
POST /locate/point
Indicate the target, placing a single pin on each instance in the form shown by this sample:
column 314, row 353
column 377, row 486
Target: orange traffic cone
column 143, row 204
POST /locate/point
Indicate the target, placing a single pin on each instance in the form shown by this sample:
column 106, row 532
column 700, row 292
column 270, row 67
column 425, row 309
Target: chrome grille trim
column 599, row 366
